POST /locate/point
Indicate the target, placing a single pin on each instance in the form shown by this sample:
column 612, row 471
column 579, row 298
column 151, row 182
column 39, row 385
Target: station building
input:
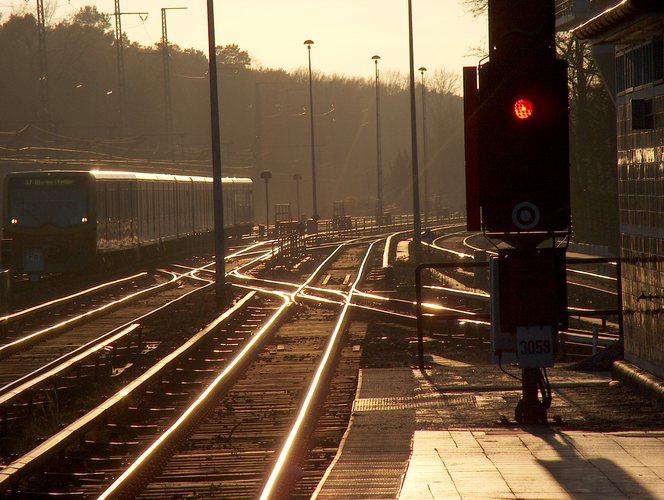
column 633, row 31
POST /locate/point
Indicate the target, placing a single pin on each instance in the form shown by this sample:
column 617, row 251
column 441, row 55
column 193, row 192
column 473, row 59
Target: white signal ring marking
column 525, row 215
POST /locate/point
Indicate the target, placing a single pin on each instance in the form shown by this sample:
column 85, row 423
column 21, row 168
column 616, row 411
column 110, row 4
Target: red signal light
column 523, row 109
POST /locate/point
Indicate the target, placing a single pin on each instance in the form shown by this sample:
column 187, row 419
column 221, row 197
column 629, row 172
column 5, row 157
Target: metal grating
column 563, row 8
column 414, row 403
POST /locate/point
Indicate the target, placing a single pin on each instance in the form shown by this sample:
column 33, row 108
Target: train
column 61, row 221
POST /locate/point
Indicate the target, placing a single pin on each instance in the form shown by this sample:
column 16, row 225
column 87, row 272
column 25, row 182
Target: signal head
column 523, row 109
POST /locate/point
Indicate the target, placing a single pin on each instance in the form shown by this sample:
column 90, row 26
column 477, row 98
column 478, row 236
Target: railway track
column 252, row 405
column 592, row 291
column 42, row 369
column 297, row 347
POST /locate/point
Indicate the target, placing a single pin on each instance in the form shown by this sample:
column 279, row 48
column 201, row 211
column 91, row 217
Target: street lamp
column 309, row 43
column 297, row 178
column 417, row 225
column 267, row 175
column 379, row 174
column 424, row 149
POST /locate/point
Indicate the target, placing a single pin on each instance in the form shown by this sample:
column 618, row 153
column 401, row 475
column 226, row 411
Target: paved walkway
column 384, row 455
column 535, row 464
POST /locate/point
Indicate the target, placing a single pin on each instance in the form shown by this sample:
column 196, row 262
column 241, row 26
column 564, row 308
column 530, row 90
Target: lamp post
column 379, row 173
column 297, row 178
column 309, row 43
column 424, row 149
column 220, row 267
column 267, row 175
column 417, row 225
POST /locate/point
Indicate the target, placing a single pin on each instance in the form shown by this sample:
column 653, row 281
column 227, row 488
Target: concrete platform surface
column 394, row 449
column 535, row 463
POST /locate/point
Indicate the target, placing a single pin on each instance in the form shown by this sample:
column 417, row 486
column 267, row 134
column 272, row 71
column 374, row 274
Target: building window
column 642, row 116
column 641, row 65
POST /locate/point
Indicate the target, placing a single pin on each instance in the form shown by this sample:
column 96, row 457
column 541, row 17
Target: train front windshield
column 47, row 201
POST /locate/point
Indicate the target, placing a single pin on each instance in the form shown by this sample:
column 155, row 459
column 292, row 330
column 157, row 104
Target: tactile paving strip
column 415, row 403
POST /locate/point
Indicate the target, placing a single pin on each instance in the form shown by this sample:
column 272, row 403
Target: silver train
column 66, row 221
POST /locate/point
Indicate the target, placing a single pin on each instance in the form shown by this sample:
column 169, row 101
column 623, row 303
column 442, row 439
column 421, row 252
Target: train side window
column 172, row 201
column 162, row 212
column 190, row 206
column 197, row 206
column 164, row 208
column 211, row 202
column 206, row 206
column 112, row 210
column 141, row 211
column 176, row 206
column 181, row 207
column 124, row 209
column 154, row 209
column 102, row 216
column 160, row 208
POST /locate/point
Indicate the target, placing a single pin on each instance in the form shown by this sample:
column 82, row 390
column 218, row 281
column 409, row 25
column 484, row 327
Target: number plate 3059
column 534, row 346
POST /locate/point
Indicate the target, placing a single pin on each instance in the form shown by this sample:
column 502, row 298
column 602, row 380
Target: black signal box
column 532, row 288
column 523, row 141
column 516, row 125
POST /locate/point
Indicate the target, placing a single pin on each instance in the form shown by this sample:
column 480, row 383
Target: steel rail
column 10, row 347
column 137, row 468
column 314, row 387
column 133, row 473
column 128, row 478
column 32, row 380
column 10, row 474
column 47, row 305
column 593, row 275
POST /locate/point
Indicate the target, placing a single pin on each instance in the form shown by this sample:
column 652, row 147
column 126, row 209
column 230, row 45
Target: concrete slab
column 397, row 447
column 375, row 450
column 511, row 464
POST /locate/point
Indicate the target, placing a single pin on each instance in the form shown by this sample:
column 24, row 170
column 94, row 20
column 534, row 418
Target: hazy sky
column 346, row 33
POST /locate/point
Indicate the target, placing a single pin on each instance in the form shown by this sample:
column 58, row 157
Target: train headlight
column 14, row 221
column 84, row 220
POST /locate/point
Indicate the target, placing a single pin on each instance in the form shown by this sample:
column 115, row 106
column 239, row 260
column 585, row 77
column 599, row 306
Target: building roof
column 628, row 21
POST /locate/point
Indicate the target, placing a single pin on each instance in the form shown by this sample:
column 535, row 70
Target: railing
column 484, row 316
column 367, row 225
column 564, row 8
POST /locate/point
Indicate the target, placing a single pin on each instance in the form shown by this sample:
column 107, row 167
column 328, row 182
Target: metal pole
column 424, row 149
column 420, row 322
column 119, row 51
column 621, row 324
column 267, row 212
column 297, row 178
column 168, row 112
column 379, row 172
column 309, row 43
column 257, row 127
column 220, row 271
column 267, row 175
column 43, row 62
column 165, row 54
column 417, row 225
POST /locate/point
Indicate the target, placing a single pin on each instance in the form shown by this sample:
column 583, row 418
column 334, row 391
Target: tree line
column 265, row 118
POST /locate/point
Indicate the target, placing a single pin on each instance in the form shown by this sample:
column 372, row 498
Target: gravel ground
column 464, row 390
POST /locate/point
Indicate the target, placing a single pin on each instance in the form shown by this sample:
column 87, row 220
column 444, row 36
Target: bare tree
column 476, row 7
column 443, row 82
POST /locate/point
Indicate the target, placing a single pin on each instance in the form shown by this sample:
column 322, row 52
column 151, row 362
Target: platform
column 391, row 451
